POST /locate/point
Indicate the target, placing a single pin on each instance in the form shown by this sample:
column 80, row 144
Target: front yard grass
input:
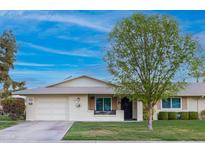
column 5, row 124
column 170, row 130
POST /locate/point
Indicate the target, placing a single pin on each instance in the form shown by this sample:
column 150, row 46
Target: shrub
column 203, row 115
column 5, row 118
column 14, row 108
column 163, row 116
column 172, row 115
column 193, row 115
column 184, row 115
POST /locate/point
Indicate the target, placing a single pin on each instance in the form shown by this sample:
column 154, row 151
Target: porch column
column 139, row 111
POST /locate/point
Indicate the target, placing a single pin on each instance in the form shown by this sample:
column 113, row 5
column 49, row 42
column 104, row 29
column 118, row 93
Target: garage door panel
column 52, row 108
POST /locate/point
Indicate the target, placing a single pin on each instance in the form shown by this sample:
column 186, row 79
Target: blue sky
column 54, row 45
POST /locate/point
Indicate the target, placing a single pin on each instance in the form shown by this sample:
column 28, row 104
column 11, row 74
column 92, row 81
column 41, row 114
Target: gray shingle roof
column 193, row 89
column 67, row 90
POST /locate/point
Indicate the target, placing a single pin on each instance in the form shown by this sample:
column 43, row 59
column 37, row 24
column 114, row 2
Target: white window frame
column 103, row 102
column 171, row 108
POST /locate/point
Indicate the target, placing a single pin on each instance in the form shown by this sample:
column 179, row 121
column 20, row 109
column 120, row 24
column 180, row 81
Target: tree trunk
column 150, row 117
column 197, row 79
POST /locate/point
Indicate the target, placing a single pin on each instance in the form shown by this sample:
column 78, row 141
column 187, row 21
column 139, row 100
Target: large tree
column 145, row 55
column 8, row 50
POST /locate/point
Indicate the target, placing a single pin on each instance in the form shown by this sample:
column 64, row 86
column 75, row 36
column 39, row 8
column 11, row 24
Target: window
column 99, row 104
column 171, row 103
column 166, row 103
column 176, row 103
column 103, row 104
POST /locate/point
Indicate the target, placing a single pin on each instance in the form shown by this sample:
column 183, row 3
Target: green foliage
column 197, row 68
column 5, row 118
column 193, row 115
column 5, row 124
column 8, row 50
column 203, row 114
column 163, row 116
column 184, row 115
column 172, row 115
column 15, row 108
column 145, row 115
column 145, row 54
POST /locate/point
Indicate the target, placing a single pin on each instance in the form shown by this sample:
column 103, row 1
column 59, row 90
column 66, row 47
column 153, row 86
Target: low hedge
column 172, row 115
column 178, row 115
column 184, row 115
column 193, row 115
column 5, row 118
column 163, row 116
column 203, row 115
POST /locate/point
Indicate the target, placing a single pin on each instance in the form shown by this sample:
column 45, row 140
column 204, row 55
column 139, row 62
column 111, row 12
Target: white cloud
column 82, row 21
column 83, row 52
column 33, row 64
column 71, row 20
column 42, row 65
column 93, row 39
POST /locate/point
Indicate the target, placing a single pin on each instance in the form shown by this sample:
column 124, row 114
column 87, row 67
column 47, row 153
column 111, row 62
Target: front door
column 126, row 105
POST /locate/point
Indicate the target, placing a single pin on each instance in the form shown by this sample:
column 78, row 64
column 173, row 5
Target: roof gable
column 82, row 81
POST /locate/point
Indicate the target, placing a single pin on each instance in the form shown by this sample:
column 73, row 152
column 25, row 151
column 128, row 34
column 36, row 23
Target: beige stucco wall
column 195, row 104
column 139, row 111
column 83, row 114
column 82, row 82
column 134, row 110
column 72, row 110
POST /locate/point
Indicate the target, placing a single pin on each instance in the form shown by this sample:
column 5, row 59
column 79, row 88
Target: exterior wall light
column 30, row 101
column 77, row 102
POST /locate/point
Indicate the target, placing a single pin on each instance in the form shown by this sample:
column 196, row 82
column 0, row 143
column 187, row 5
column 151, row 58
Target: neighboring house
column 88, row 99
column 191, row 99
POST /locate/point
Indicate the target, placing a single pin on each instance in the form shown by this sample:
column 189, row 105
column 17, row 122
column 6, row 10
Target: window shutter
column 114, row 103
column 158, row 105
column 184, row 103
column 91, row 102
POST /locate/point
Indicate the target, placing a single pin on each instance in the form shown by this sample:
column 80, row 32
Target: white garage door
column 51, row 108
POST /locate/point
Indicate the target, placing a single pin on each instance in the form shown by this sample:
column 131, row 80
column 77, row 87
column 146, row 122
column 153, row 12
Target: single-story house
column 89, row 99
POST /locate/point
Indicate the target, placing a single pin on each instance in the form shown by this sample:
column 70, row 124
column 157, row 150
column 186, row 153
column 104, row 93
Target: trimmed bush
column 203, row 115
column 14, row 108
column 5, row 118
column 163, row 116
column 193, row 115
column 172, row 115
column 184, row 115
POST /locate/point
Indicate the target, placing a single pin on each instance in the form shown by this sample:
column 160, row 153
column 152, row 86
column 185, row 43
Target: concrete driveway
column 36, row 131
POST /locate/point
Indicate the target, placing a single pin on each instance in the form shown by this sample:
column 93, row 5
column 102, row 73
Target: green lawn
column 5, row 124
column 178, row 130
